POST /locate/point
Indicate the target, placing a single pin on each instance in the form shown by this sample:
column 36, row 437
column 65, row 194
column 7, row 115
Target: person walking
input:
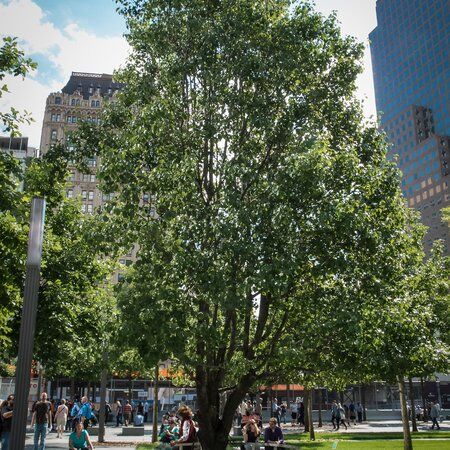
column 359, row 412
column 145, row 411
column 352, row 412
column 334, row 413
column 119, row 413
column 293, row 413
column 435, row 412
column 41, row 420
column 6, row 411
column 85, row 413
column 127, row 410
column 340, row 416
column 61, row 418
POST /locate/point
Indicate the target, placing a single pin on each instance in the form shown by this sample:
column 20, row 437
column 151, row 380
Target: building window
column 83, row 208
column 91, row 195
column 92, row 178
column 91, row 90
column 72, row 102
column 72, row 176
column 70, row 193
column 58, row 117
column 92, row 103
column 53, row 135
column 69, row 119
column 90, row 209
column 91, row 162
column 97, row 103
column 84, row 195
column 57, row 100
column 53, row 118
column 74, row 119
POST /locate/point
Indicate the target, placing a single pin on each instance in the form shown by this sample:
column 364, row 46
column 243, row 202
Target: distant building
column 18, row 147
column 81, row 99
column 411, row 65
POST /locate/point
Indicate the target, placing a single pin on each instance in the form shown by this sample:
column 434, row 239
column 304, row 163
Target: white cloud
column 72, row 49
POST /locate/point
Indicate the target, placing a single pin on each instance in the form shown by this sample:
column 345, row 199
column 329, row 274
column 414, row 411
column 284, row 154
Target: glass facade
column 411, row 63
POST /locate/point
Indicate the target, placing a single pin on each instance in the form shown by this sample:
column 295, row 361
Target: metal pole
column 27, row 325
column 102, row 416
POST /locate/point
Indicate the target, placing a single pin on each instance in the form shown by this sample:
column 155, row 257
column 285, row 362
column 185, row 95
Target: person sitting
column 79, row 439
column 273, row 433
column 170, row 432
column 251, row 434
column 188, row 432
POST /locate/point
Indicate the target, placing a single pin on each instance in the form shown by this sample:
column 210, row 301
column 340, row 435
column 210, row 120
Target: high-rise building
column 81, row 99
column 411, row 65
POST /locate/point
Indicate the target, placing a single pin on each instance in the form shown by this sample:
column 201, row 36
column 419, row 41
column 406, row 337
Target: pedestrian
column 283, row 409
column 293, row 413
column 127, row 410
column 333, row 410
column 74, row 413
column 435, row 412
column 80, row 439
column 301, row 414
column 6, row 410
column 273, row 433
column 188, row 432
column 359, row 412
column 340, row 417
column 85, row 413
column 41, row 420
column 61, row 418
column 119, row 413
column 352, row 412
column 145, row 411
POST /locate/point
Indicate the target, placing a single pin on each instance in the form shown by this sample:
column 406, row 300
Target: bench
column 132, row 431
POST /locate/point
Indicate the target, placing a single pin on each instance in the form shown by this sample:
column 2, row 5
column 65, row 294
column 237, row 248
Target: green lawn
column 367, row 436
column 434, row 444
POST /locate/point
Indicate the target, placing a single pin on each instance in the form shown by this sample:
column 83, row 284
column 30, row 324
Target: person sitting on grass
column 79, row 439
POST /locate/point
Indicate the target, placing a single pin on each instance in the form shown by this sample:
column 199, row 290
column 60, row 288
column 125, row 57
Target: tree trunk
column 424, row 403
column 214, row 429
column 312, row 436
column 320, row 425
column 407, row 442
column 155, row 406
column 413, row 407
column 102, row 414
column 306, row 404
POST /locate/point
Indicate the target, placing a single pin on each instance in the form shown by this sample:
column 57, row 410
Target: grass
column 367, row 436
column 362, row 444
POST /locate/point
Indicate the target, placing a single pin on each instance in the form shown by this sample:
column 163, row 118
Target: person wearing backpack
column 85, row 413
column 188, row 432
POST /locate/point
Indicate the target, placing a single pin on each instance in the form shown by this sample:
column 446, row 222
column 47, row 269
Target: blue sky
column 87, row 36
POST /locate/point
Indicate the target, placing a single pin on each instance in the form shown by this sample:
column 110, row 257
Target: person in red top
column 188, row 432
column 127, row 410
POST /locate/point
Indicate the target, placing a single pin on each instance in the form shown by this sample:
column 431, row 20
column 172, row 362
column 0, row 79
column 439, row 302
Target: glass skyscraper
column 411, row 64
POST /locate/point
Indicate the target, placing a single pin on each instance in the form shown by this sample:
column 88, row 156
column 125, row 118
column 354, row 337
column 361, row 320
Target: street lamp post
column 27, row 325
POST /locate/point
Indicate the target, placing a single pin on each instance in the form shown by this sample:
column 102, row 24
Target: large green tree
column 238, row 117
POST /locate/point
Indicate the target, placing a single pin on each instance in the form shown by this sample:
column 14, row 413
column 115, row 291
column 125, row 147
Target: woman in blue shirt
column 80, row 439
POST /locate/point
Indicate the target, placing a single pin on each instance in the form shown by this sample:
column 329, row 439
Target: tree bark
column 320, row 424
column 413, row 407
column 407, row 441
column 155, row 406
column 102, row 413
column 306, row 404
column 312, row 436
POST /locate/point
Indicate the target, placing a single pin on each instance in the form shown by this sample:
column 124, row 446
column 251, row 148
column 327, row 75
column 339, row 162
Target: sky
column 65, row 36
